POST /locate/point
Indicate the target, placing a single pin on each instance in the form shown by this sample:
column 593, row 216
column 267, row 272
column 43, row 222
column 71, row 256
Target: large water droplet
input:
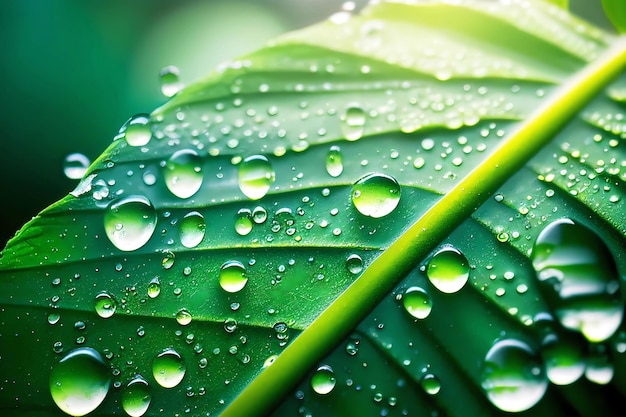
column 323, row 380
column 137, row 130
column 448, row 270
column 430, row 384
column 376, row 195
column 417, row 302
column 233, row 276
column 183, row 317
column 579, row 277
column 354, row 264
column 334, row 162
column 256, row 175
column 75, row 165
column 243, row 222
column 168, row 368
column 170, row 81
column 563, row 360
column 105, row 305
column 129, row 222
column 192, row 229
column 136, row 397
column 80, row 381
column 183, row 173
column 513, row 376
column 353, row 123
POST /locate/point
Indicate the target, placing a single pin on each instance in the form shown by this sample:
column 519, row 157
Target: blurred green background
column 73, row 71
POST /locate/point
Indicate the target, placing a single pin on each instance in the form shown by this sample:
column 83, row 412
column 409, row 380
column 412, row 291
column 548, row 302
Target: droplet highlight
column 170, row 81
column 137, row 130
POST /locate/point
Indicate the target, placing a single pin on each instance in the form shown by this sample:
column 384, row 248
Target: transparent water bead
column 170, row 81
column 243, row 222
column 183, row 173
column 130, row 222
column 256, row 176
column 323, row 380
column 334, row 161
column 580, row 279
column 192, row 229
column 233, row 276
column 75, row 165
column 137, row 130
column 136, row 397
column 563, row 360
column 354, row 264
column 448, row 270
column 168, row 368
column 353, row 123
column 430, row 384
column 80, row 381
column 417, row 302
column 183, row 317
column 376, row 195
column 513, row 376
column 105, row 305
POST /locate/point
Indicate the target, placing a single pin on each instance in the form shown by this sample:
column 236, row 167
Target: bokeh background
column 73, row 71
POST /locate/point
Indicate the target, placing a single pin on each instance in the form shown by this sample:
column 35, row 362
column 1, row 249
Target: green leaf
column 296, row 200
column 616, row 12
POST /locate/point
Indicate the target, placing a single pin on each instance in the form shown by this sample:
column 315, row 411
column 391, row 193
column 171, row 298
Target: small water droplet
column 183, row 317
column 80, row 381
column 417, row 302
column 243, row 223
column 233, row 276
column 563, row 360
column 168, row 260
column 183, row 173
column 354, row 264
column 170, row 81
column 137, row 130
column 430, row 384
column 53, row 318
column 75, row 165
column 154, row 288
column 376, row 195
column 168, row 368
column 334, row 161
column 513, row 376
column 130, row 222
column 353, row 123
column 448, row 270
column 323, row 380
column 105, row 305
column 136, row 397
column 256, row 175
column 192, row 229
column 259, row 215
column 579, row 277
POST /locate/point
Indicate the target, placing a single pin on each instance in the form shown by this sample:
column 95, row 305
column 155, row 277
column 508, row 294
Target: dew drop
column 137, row 130
column 233, row 276
column 170, row 81
column 130, row 222
column 376, row 195
column 53, row 318
column 192, row 229
column 354, row 264
column 323, row 380
column 168, row 368
column 417, row 302
column 136, row 397
column 430, row 384
column 563, row 361
column 75, row 165
column 80, row 381
column 448, row 270
column 243, row 222
column 579, row 277
column 154, row 288
column 183, row 317
column 105, row 305
column 259, row 215
column 183, row 173
column 353, row 123
column 513, row 376
column 256, row 175
column 334, row 161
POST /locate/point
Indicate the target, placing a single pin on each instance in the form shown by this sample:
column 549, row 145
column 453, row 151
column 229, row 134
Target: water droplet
column 168, row 260
column 154, row 288
column 376, row 195
column 168, row 368
column 323, row 380
column 334, row 161
column 233, row 276
column 75, row 165
column 354, row 264
column 80, row 381
column 137, row 130
column 513, row 376
column 563, row 360
column 430, row 384
column 579, row 277
column 259, row 215
column 170, row 81
column 192, row 229
column 448, row 270
column 256, row 175
column 353, row 123
column 136, row 397
column 183, row 173
column 417, row 302
column 53, row 318
column 129, row 222
column 243, row 223
column 105, row 305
